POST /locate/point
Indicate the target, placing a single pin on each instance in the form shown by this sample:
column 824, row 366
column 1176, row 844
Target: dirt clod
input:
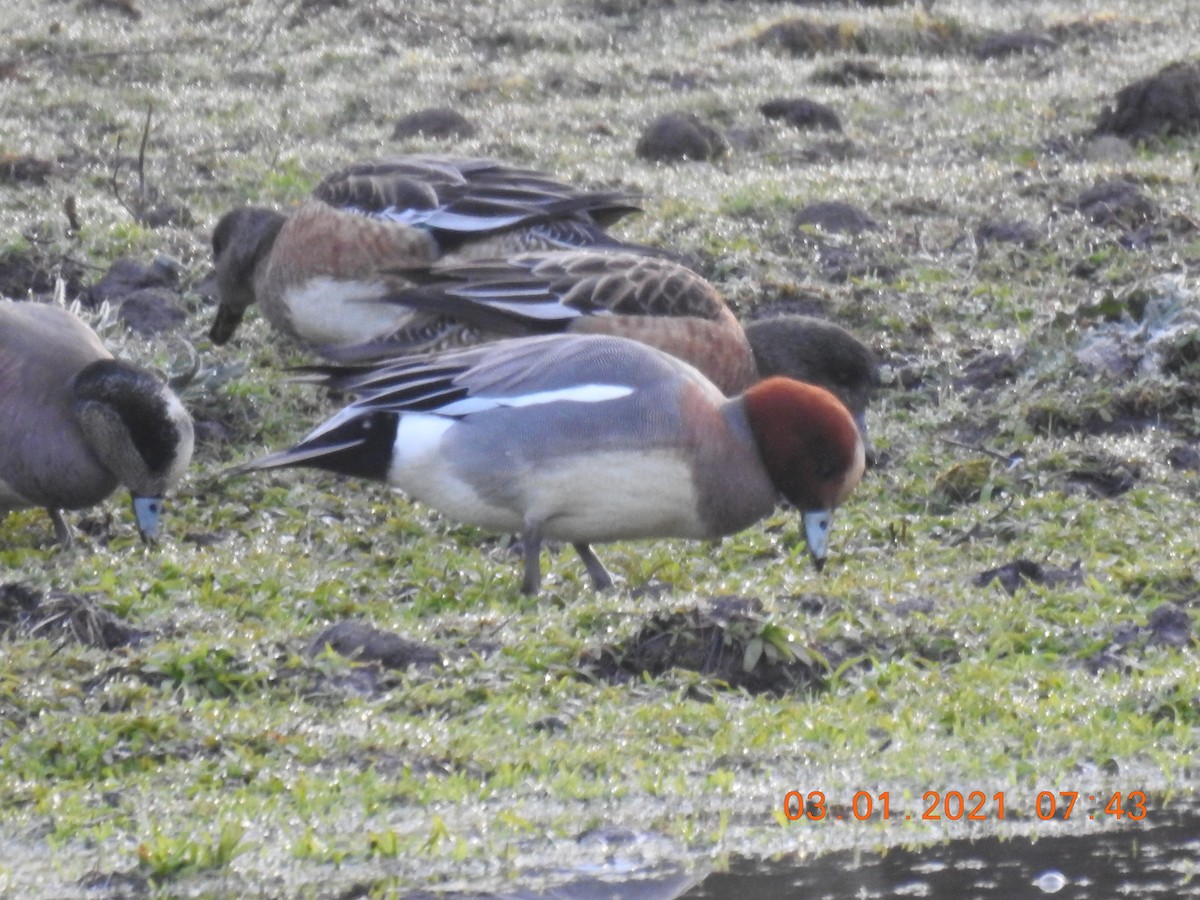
column 1165, row 103
column 1021, row 572
column 674, row 137
column 433, row 122
column 30, row 613
column 729, row 640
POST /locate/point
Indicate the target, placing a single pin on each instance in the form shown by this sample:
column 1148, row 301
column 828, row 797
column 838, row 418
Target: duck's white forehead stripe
column 580, row 393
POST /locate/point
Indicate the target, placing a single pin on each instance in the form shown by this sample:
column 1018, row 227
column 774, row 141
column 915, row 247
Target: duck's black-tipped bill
column 147, row 512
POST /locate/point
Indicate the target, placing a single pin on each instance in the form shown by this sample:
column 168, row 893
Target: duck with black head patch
column 75, row 423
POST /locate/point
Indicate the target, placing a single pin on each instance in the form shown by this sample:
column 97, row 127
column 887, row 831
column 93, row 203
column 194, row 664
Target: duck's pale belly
column 607, row 496
column 330, row 312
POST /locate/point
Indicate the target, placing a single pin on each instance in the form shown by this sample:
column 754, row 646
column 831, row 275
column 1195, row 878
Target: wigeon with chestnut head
column 587, row 439
column 648, row 298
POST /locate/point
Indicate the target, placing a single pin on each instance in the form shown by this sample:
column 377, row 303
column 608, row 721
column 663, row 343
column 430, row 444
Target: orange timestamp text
column 971, row 806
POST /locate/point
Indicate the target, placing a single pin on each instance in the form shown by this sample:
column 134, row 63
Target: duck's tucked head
column 810, row 447
column 242, row 239
column 136, row 428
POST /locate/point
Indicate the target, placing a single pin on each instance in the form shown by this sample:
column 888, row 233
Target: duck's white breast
column 604, row 496
column 331, row 311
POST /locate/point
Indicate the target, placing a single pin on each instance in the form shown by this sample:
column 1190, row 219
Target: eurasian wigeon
column 76, row 422
column 648, row 298
column 313, row 272
column 587, row 439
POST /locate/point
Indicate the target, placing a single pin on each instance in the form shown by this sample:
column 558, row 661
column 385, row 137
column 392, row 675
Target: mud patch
column 434, row 122
column 1185, row 457
column 831, row 228
column 802, row 113
column 152, row 312
column 21, row 169
column 117, row 883
column 1165, row 103
column 850, row 73
column 1114, row 202
column 30, row 273
column 1023, row 572
column 834, row 216
column 127, row 276
column 365, row 643
column 988, row 370
column 1014, row 43
column 1020, row 231
column 60, row 615
column 678, row 136
column 377, row 656
column 1101, row 476
column 1167, row 625
column 731, row 641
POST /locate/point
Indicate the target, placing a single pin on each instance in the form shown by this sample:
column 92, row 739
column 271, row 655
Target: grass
column 219, row 756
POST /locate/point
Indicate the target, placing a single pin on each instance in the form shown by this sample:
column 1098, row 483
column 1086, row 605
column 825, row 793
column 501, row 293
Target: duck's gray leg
column 62, row 531
column 600, row 577
column 531, row 545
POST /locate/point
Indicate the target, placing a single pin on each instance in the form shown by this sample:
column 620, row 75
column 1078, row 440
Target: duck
column 585, row 439
column 78, row 422
column 653, row 299
column 315, row 271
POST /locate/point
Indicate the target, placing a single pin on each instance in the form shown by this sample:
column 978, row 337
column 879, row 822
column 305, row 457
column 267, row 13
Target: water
column 1159, row 857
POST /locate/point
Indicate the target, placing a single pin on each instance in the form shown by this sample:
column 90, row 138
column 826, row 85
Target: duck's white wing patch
column 448, row 221
column 457, row 409
column 549, row 309
column 491, row 291
column 578, row 393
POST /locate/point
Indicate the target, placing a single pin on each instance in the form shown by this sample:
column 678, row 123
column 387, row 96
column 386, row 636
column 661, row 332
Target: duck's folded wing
column 472, row 196
column 537, row 293
column 509, row 373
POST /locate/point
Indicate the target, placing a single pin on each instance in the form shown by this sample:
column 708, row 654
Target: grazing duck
column 815, row 350
column 76, row 422
column 585, row 439
column 648, row 298
column 315, row 271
